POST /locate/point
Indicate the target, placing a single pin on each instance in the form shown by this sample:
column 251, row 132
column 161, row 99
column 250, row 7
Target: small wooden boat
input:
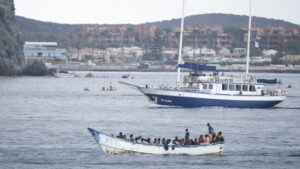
column 114, row 145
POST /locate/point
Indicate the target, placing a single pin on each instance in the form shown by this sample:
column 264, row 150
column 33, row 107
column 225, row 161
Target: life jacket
column 201, row 140
column 206, row 140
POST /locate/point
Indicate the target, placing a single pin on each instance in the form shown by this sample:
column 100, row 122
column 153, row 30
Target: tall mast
column 249, row 40
column 180, row 45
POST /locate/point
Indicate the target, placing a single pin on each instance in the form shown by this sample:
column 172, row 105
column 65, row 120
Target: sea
column 44, row 121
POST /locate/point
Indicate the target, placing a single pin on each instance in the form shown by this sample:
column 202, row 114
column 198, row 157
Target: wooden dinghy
column 114, row 145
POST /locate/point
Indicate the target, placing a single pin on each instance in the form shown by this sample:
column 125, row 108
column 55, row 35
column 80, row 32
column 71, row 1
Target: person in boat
column 196, row 141
column 187, row 136
column 220, row 137
column 158, row 141
column 120, row 135
column 210, row 129
column 214, row 138
column 163, row 141
column 201, row 139
column 131, row 138
column 206, row 139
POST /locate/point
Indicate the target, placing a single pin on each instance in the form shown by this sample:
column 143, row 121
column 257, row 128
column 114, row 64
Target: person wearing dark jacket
column 187, row 136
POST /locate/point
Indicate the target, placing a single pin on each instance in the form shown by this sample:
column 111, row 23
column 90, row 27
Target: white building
column 207, row 52
column 270, row 52
column 241, row 51
column 43, row 50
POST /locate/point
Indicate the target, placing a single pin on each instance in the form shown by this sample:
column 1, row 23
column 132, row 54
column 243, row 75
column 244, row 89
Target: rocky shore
column 11, row 44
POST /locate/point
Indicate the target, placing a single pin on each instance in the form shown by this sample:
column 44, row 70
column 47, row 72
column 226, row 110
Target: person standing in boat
column 187, row 136
column 210, row 131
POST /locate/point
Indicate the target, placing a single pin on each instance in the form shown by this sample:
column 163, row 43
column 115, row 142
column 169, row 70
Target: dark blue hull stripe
column 200, row 102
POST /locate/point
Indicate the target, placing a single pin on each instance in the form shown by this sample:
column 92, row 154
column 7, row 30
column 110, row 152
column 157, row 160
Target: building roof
column 42, row 43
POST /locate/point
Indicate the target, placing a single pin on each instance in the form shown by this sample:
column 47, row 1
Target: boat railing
column 211, row 79
column 275, row 92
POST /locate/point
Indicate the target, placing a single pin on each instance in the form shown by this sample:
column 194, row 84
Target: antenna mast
column 249, row 40
column 180, row 45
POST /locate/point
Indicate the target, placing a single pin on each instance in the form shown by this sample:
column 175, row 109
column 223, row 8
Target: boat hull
column 196, row 99
column 113, row 145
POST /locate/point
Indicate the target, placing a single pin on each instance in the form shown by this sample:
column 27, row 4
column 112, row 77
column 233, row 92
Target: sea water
column 44, row 121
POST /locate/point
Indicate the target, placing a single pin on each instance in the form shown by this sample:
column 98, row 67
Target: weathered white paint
column 113, row 145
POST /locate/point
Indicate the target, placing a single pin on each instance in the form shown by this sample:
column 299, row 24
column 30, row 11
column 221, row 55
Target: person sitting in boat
column 131, row 138
column 187, row 136
column 158, row 141
column 206, row 139
column 196, row 141
column 220, row 137
column 214, row 138
column 120, row 135
column 176, row 141
column 163, row 141
column 201, row 139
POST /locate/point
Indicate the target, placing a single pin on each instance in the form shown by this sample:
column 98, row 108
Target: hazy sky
column 140, row 11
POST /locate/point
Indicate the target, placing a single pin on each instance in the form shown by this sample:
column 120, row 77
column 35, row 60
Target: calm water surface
column 44, row 121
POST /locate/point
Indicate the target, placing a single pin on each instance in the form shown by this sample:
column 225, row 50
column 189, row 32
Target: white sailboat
column 114, row 145
column 212, row 89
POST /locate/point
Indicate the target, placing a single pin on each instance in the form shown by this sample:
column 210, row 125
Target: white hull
column 193, row 94
column 112, row 145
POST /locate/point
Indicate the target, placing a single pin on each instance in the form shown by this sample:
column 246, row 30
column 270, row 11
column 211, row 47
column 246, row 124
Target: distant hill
column 224, row 20
column 34, row 30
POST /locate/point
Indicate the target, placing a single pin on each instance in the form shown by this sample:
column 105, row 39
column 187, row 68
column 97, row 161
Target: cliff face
column 11, row 43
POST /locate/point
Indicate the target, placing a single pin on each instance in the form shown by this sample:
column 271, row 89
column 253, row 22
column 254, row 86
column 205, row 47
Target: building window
column 238, row 87
column 231, row 87
column 39, row 54
column 211, row 86
column 204, row 86
column 224, row 86
column 245, row 87
column 252, row 88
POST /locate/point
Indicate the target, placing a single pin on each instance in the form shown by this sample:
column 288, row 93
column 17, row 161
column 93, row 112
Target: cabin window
column 238, row 87
column 252, row 88
column 224, row 86
column 210, row 86
column 231, row 87
column 245, row 87
column 204, row 86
